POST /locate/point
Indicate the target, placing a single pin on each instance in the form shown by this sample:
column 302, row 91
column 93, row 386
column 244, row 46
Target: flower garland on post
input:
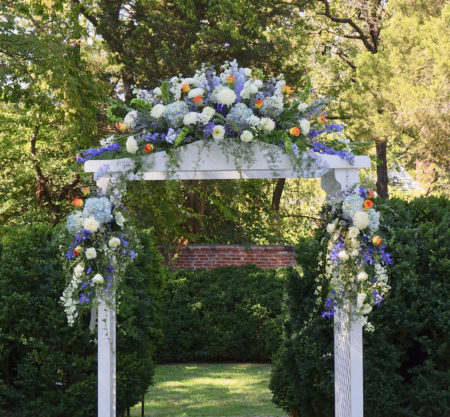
column 102, row 248
column 355, row 258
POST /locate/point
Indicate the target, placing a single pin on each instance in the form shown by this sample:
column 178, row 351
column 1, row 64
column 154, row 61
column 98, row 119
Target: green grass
column 213, row 390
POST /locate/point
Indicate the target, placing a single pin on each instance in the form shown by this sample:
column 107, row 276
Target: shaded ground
column 210, row 390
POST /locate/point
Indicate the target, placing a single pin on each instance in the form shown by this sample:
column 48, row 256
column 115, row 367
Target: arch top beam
column 226, row 160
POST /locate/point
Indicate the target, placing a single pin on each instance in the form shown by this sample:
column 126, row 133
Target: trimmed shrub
column 225, row 314
column 406, row 358
column 48, row 368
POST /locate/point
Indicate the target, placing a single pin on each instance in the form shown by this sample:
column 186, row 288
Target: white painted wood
column 202, row 160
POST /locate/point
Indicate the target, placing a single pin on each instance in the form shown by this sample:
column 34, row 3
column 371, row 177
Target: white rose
column 131, row 145
column 247, row 72
column 331, row 228
column 304, row 126
column 114, row 242
column 258, row 83
column 343, row 255
column 353, row 232
column 98, row 279
column 157, row 92
column 267, row 124
column 91, row 253
column 226, row 96
column 361, row 220
column 208, row 112
column 78, row 270
column 246, row 136
column 119, row 219
column 91, row 224
column 190, row 118
column 302, row 107
column 196, row 92
column 362, row 276
column 218, row 132
column 157, row 111
column 130, row 119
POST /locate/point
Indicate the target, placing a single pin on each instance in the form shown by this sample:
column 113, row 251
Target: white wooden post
column 106, row 344
column 348, row 347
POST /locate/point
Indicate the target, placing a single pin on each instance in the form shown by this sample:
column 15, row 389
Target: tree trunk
column 277, row 193
column 382, row 172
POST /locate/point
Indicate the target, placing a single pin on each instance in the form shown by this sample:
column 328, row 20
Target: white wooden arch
column 197, row 161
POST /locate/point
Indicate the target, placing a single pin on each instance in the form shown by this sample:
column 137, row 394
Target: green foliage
column 48, row 368
column 228, row 313
column 406, row 358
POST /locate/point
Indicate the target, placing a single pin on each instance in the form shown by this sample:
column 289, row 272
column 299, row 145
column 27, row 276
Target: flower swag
column 232, row 105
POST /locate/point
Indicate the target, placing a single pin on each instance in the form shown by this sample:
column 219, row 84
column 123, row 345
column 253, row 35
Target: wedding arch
column 211, row 162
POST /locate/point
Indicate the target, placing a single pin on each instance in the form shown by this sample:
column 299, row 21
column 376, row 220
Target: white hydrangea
column 218, row 132
column 351, row 205
column 130, row 119
column 304, row 126
column 226, row 96
column 91, row 224
column 157, row 111
column 98, row 279
column 196, row 92
column 246, row 136
column 114, row 242
column 78, row 270
column 272, row 106
column 91, row 253
column 267, row 124
column 131, row 145
column 374, row 220
column 254, row 121
column 362, row 276
column 190, row 119
column 361, row 220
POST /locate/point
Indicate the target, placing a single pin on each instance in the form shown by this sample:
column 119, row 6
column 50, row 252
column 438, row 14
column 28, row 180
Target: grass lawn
column 212, row 390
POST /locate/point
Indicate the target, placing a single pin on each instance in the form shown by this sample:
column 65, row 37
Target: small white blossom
column 331, row 228
column 157, row 91
column 246, row 136
column 157, row 111
column 91, row 224
column 343, row 255
column 91, row 253
column 362, row 276
column 131, row 145
column 353, row 232
column 78, row 270
column 304, row 126
column 302, row 107
column 98, row 279
column 218, row 132
column 360, row 300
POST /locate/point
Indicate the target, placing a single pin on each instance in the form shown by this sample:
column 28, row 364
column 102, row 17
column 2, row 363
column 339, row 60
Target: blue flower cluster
column 338, row 247
column 321, row 148
column 368, row 249
column 100, row 208
column 95, row 152
column 80, row 237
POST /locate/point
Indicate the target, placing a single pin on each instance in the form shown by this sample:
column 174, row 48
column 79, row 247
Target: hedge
column 406, row 358
column 49, row 369
column 225, row 314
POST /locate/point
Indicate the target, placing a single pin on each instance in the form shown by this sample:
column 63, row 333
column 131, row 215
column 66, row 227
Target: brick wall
column 212, row 256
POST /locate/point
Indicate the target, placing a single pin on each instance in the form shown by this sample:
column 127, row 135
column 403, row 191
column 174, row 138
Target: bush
column 47, row 368
column 226, row 314
column 406, row 358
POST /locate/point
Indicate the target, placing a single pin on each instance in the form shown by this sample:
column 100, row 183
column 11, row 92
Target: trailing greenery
column 226, row 314
column 406, row 358
column 48, row 368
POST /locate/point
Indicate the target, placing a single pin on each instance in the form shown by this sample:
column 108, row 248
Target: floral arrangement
column 356, row 259
column 101, row 249
column 236, row 104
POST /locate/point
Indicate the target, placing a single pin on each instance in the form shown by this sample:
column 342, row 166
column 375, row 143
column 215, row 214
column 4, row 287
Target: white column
column 106, row 342
column 106, row 356
column 348, row 347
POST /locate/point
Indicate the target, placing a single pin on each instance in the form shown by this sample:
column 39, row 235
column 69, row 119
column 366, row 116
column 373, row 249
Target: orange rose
column 230, row 79
column 148, row 148
column 186, row 88
column 198, row 100
column 258, row 104
column 287, row 90
column 77, row 250
column 78, row 202
column 121, row 127
column 322, row 119
column 368, row 204
column 376, row 240
column 86, row 191
column 294, row 131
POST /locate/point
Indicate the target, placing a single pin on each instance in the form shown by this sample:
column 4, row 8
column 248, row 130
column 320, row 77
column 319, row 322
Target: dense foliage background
column 48, row 368
column 406, row 358
column 225, row 314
